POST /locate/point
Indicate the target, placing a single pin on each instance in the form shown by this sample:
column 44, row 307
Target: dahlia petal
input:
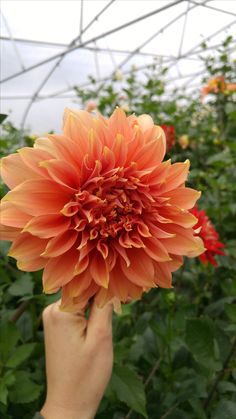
column 103, row 248
column 78, row 284
column 12, row 216
column 60, row 244
column 102, row 297
column 158, row 174
column 141, row 270
column 32, row 265
column 150, row 154
column 59, row 270
column 107, row 159
column 32, row 158
column 120, row 150
column 158, row 232
column 178, row 173
column 175, row 262
column 67, row 150
column 111, row 259
column 118, row 124
column 75, row 130
column 145, row 122
column 62, row 172
column 99, row 270
column 135, row 292
column 38, row 197
column 81, row 265
column 184, row 243
column 14, row 171
column 155, row 133
column 95, row 147
column 26, row 247
column 184, row 198
column 84, row 239
column 47, row 226
column 199, row 248
column 135, row 144
column 68, row 303
column 8, row 233
column 45, row 144
column 143, row 229
column 163, row 276
column 121, row 251
column 77, row 303
column 178, row 216
column 74, row 120
column 156, row 250
column 118, row 283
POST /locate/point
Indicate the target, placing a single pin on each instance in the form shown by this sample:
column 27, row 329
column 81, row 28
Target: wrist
column 55, row 411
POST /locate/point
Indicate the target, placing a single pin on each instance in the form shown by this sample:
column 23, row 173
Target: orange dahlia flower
column 218, row 85
column 98, row 210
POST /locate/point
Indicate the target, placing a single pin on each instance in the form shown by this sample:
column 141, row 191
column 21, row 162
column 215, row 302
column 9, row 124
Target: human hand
column 79, row 359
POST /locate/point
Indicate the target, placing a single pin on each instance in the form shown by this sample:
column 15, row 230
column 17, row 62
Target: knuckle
column 49, row 313
column 46, row 313
column 103, row 335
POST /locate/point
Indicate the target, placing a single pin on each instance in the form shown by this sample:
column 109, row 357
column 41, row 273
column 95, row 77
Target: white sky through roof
column 53, row 24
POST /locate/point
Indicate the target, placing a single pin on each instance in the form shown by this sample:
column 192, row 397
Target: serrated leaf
column 200, row 340
column 9, row 336
column 5, row 381
column 225, row 409
column 20, row 354
column 230, row 310
column 227, row 387
column 22, row 286
column 128, row 387
column 197, row 407
column 24, row 390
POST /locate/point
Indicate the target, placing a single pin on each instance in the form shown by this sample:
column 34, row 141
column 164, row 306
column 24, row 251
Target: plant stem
column 147, row 381
column 19, row 311
column 221, row 374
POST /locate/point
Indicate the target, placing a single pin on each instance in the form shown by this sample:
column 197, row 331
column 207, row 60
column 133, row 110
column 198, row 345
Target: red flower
column 169, row 131
column 205, row 229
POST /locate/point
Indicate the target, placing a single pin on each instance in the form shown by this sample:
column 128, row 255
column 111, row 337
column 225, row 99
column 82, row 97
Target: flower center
column 109, row 205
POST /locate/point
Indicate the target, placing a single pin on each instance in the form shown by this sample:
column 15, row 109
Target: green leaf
column 230, row 310
column 129, row 389
column 9, row 336
column 22, row 286
column 197, row 407
column 200, row 340
column 3, row 116
column 24, row 390
column 225, row 409
column 225, row 387
column 20, row 354
column 6, row 381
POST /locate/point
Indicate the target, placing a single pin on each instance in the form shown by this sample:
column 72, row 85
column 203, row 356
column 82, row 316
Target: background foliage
column 175, row 349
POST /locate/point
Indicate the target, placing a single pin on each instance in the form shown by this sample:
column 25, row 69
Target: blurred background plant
column 175, row 349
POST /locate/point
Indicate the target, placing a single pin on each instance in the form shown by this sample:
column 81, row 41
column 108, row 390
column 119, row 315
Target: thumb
column 100, row 321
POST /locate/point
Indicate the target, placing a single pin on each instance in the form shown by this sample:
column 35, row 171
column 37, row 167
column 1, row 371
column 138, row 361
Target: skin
column 79, row 359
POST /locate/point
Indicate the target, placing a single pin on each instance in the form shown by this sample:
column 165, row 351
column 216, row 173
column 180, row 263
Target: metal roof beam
column 108, row 78
column 96, row 38
column 184, row 76
column 213, row 8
